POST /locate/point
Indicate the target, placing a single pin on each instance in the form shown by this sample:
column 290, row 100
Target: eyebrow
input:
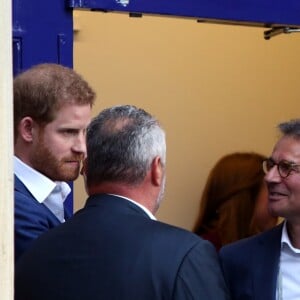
column 289, row 162
column 283, row 160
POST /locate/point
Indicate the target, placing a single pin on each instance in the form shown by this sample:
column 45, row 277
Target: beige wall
column 215, row 88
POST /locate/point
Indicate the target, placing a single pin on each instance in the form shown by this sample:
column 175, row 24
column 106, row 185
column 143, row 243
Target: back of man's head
column 122, row 142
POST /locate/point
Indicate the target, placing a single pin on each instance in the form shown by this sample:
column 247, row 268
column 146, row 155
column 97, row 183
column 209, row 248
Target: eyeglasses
column 284, row 167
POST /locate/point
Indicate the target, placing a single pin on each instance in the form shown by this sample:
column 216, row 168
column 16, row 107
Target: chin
column 69, row 176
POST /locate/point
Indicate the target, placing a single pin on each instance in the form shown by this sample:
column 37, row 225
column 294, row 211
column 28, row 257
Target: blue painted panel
column 42, row 32
column 251, row 12
column 46, row 31
column 17, row 55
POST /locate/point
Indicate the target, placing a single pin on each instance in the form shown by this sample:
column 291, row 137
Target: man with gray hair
column 114, row 248
column 267, row 266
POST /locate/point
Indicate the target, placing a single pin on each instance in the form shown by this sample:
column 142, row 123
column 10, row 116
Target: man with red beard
column 52, row 109
column 267, row 266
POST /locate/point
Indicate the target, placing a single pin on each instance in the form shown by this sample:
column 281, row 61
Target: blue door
column 42, row 32
column 267, row 13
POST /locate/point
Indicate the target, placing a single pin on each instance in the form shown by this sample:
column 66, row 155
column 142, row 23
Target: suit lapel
column 67, row 213
column 28, row 199
column 266, row 263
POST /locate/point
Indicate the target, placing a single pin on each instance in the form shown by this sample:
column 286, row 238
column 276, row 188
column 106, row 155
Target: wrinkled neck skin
column 142, row 193
column 147, row 193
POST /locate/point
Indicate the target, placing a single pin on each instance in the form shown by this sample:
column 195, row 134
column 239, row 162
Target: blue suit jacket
column 251, row 265
column 112, row 250
column 31, row 218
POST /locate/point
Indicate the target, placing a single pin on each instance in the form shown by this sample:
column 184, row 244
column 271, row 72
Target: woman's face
column 262, row 218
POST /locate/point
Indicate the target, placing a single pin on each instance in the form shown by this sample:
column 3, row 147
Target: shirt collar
column 38, row 184
column 146, row 210
column 285, row 240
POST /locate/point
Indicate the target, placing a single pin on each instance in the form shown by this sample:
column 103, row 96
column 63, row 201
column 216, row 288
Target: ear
column 26, row 129
column 157, row 171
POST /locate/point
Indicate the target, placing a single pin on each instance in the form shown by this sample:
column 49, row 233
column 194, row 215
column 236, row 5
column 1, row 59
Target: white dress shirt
column 288, row 283
column 44, row 190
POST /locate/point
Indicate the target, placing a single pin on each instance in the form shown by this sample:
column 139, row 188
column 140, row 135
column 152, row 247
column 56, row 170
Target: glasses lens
column 284, row 168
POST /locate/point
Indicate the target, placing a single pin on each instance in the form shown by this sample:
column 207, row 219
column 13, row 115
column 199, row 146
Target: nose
column 79, row 144
column 273, row 175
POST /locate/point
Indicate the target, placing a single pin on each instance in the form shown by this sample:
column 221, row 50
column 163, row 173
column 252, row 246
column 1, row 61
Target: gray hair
column 122, row 142
column 290, row 128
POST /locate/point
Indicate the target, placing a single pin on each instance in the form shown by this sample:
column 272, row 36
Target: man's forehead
column 287, row 145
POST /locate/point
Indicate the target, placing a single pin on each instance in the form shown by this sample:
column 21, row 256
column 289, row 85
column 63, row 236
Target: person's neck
column 293, row 229
column 136, row 193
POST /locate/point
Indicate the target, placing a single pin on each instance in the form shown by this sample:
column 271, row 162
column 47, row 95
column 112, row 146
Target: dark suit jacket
column 251, row 265
column 112, row 250
column 31, row 218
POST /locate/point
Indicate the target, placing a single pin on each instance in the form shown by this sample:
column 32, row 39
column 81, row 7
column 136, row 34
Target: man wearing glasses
column 267, row 266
